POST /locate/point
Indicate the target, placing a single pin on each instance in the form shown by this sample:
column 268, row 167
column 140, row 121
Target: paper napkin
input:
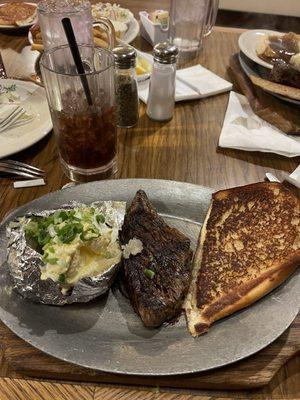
column 192, row 83
column 294, row 177
column 203, row 81
column 244, row 130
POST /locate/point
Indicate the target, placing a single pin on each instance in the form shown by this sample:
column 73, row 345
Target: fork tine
column 17, row 169
column 8, row 170
column 20, row 164
column 9, row 116
column 12, row 119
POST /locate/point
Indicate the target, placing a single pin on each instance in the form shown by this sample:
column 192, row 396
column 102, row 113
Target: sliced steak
column 157, row 279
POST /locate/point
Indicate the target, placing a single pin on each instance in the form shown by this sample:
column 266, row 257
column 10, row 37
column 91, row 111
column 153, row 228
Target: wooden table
column 184, row 149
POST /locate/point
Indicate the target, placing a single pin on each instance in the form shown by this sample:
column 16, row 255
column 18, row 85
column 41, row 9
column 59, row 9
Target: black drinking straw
column 76, row 57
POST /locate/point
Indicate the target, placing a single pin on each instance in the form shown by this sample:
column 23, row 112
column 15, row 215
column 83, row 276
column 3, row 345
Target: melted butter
column 87, row 263
column 82, row 259
column 64, row 253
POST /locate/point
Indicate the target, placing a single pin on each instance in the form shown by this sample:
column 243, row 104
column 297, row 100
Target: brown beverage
column 86, row 135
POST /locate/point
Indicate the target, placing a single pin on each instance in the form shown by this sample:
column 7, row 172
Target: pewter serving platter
column 107, row 335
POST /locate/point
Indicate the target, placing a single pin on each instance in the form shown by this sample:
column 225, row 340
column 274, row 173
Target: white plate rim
column 133, row 31
column 250, row 52
column 45, row 129
column 16, row 27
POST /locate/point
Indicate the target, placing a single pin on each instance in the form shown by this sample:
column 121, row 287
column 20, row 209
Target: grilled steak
column 157, row 279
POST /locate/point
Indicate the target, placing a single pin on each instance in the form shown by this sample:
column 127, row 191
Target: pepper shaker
column 127, row 101
column 161, row 99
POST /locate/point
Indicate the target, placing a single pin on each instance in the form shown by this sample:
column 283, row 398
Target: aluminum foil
column 24, row 262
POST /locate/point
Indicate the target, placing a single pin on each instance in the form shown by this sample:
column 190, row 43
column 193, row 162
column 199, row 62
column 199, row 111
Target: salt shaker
column 127, row 101
column 161, row 98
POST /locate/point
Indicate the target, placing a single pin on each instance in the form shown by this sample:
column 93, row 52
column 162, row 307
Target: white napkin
column 244, row 130
column 203, row 81
column 294, row 177
column 192, row 83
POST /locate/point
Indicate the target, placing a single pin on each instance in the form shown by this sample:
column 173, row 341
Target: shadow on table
column 266, row 160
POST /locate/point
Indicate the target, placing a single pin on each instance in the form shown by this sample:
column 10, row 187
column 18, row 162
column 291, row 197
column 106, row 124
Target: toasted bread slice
column 17, row 13
column 249, row 244
column 278, row 88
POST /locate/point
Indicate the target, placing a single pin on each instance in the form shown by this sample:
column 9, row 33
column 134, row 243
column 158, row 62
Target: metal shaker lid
column 124, row 56
column 165, row 53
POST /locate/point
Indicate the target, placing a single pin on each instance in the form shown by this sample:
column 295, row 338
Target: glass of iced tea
column 85, row 128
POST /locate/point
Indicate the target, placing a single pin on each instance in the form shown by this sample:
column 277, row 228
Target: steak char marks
column 157, row 279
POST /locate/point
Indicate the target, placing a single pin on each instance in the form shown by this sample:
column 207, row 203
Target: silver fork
column 20, row 169
column 11, row 118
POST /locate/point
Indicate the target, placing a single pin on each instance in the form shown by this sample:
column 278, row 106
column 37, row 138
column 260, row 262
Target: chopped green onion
column 64, row 215
column 90, row 234
column 43, row 237
column 100, row 219
column 68, row 232
column 150, row 274
column 51, row 260
column 62, row 278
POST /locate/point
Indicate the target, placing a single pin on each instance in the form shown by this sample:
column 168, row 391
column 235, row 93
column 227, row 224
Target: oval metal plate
column 107, row 335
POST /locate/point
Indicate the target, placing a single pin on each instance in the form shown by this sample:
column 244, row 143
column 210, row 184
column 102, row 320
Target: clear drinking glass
column 86, row 134
column 211, row 16
column 190, row 21
column 51, row 12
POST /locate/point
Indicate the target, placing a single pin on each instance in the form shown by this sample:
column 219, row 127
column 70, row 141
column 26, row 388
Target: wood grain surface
column 183, row 149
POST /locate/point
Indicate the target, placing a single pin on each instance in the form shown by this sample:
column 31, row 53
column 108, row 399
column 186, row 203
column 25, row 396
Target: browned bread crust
column 249, row 244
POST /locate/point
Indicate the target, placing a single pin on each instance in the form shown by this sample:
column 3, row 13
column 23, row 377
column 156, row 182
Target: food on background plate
column 68, row 255
column 143, row 66
column 160, row 17
column 295, row 61
column 114, row 12
column 119, row 17
column 286, row 74
column 17, row 14
column 274, row 48
column 100, row 37
column 283, row 52
column 273, row 87
column 249, row 244
column 156, row 280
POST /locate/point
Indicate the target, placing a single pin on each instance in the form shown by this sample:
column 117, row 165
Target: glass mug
column 190, row 21
column 51, row 12
column 211, row 16
column 85, row 133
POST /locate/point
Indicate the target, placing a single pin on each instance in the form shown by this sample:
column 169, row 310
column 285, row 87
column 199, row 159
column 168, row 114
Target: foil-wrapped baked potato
column 67, row 255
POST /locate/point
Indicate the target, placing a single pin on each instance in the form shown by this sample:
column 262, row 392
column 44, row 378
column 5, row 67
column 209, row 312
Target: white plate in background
column 16, row 139
column 249, row 40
